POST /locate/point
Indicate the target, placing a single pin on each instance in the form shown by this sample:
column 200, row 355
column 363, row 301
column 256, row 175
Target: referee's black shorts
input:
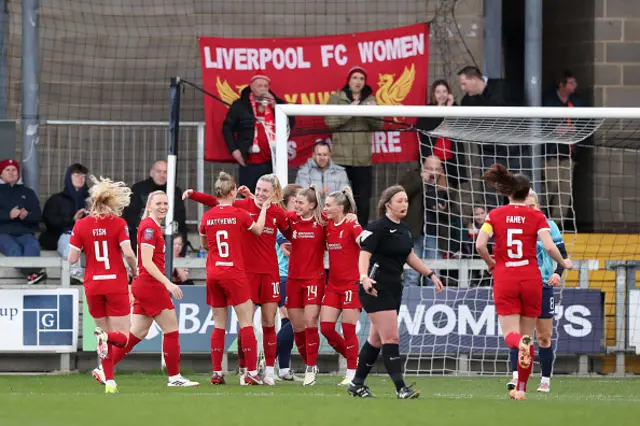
column 388, row 299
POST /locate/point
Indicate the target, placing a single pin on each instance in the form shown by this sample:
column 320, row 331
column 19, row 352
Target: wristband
column 362, row 277
column 431, row 274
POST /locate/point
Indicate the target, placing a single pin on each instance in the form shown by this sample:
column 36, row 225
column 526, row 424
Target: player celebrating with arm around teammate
column 152, row 291
column 261, row 262
column 386, row 246
column 306, row 281
column 517, row 283
column 222, row 231
column 104, row 237
column 544, row 324
column 341, row 295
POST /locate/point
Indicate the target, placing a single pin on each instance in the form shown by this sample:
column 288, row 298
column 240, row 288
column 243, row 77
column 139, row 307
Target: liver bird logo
column 392, row 92
column 226, row 93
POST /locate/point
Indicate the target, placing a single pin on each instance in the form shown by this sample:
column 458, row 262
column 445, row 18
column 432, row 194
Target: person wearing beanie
column 249, row 129
column 62, row 211
column 352, row 138
column 19, row 219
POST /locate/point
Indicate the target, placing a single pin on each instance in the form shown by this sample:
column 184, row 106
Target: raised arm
column 200, row 197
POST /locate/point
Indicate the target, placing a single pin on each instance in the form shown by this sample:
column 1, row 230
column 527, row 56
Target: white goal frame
column 282, row 112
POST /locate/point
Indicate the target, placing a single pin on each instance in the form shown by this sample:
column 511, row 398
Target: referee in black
column 385, row 247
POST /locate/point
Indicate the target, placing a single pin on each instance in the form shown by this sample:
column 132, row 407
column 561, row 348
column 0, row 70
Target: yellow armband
column 486, row 227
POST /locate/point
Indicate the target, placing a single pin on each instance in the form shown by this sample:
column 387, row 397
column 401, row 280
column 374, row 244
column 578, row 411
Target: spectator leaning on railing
column 320, row 171
column 62, row 211
column 19, row 219
column 352, row 138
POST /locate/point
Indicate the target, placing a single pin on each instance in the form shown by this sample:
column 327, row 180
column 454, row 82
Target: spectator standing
column 352, row 138
column 481, row 91
column 249, row 130
column 428, row 195
column 19, row 219
column 320, row 171
column 558, row 167
column 62, row 211
column 450, row 152
column 157, row 181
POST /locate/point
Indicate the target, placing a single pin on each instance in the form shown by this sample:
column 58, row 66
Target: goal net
column 457, row 331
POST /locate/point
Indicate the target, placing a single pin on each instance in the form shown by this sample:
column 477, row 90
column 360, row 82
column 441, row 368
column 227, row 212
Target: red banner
column 308, row 70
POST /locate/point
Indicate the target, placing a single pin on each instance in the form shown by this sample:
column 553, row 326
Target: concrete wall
column 599, row 41
column 112, row 60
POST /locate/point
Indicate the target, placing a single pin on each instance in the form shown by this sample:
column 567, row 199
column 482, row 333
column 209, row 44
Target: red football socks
column 513, row 340
column 217, row 348
column 249, row 347
column 524, row 373
column 300, row 338
column 117, row 339
column 119, row 353
column 107, row 363
column 171, row 351
column 242, row 362
column 270, row 343
column 351, row 342
column 334, row 339
column 313, row 345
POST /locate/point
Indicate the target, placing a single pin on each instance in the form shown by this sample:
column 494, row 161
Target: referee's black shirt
column 389, row 244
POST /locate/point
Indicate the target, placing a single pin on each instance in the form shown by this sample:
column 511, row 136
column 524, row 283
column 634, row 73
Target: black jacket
column 57, row 216
column 21, row 197
column 551, row 99
column 140, row 193
column 497, row 92
column 239, row 125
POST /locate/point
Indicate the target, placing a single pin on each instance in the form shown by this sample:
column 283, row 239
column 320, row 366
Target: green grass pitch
column 144, row 399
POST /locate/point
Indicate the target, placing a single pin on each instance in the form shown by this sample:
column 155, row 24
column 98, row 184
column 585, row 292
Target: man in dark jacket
column 249, row 130
column 558, row 167
column 19, row 219
column 140, row 192
column 481, row 91
column 62, row 211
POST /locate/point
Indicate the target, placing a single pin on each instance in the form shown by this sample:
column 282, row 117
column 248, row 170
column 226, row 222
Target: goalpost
column 457, row 331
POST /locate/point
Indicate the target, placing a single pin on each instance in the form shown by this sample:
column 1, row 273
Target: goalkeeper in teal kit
column 551, row 277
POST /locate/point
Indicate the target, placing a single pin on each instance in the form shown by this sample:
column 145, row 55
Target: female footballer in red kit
column 104, row 237
column 517, row 288
column 341, row 295
column 152, row 291
column 222, row 232
column 261, row 262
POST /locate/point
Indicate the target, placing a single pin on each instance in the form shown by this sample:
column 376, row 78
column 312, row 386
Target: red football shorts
column 227, row 292
column 342, row 297
column 109, row 305
column 301, row 293
column 518, row 296
column 265, row 288
column 150, row 300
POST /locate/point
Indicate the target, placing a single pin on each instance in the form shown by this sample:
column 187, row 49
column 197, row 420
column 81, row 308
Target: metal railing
column 625, row 282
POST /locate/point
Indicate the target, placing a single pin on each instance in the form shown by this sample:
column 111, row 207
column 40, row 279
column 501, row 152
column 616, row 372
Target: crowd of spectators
column 440, row 227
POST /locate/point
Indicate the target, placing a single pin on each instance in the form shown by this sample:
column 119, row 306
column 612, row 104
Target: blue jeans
column 20, row 246
column 63, row 251
column 425, row 248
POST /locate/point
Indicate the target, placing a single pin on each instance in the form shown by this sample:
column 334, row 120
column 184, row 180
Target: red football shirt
column 515, row 231
column 344, row 253
column 260, row 251
column 225, row 227
column 150, row 234
column 307, row 239
column 101, row 240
